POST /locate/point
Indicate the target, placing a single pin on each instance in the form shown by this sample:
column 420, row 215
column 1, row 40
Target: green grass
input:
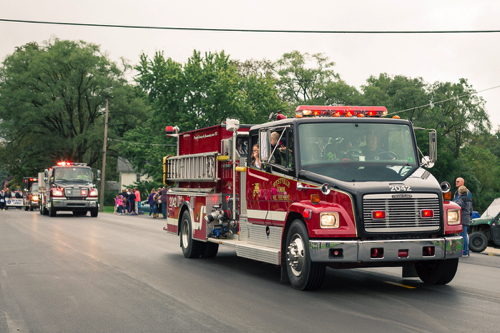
column 109, row 209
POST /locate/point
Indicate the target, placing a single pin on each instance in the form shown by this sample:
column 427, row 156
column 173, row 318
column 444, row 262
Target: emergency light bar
column 340, row 111
column 71, row 164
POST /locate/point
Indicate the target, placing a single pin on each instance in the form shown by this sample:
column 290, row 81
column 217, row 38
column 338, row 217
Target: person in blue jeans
column 152, row 203
column 465, row 203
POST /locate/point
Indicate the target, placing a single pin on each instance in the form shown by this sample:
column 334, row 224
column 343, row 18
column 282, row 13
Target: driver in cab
column 371, row 151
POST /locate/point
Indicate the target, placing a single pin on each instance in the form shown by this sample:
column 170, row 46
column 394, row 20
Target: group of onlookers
column 7, row 194
column 128, row 202
column 157, row 202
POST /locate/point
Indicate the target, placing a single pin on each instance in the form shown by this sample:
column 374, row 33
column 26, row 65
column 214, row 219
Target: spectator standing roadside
column 119, row 203
column 163, row 199
column 131, row 199
column 152, row 204
column 137, row 200
column 466, row 204
column 460, row 182
column 125, row 201
column 7, row 196
column 2, row 200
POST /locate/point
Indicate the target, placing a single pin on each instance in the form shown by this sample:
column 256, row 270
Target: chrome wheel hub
column 295, row 255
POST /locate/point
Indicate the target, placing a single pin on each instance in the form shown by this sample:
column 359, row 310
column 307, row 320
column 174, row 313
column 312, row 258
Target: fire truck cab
column 335, row 186
column 30, row 193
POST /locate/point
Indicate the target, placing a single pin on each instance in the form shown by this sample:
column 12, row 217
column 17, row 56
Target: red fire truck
column 70, row 187
column 336, row 186
column 30, row 193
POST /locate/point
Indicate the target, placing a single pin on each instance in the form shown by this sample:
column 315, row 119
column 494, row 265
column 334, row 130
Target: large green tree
column 52, row 103
column 205, row 91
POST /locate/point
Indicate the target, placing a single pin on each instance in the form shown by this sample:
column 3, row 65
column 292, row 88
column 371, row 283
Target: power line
column 259, row 30
column 442, row 101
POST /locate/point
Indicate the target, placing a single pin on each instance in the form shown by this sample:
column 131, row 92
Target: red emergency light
column 340, row 111
column 426, row 213
column 378, row 214
column 63, row 163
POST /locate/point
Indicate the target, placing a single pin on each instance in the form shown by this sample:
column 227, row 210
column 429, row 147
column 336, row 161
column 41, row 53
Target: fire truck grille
column 402, row 212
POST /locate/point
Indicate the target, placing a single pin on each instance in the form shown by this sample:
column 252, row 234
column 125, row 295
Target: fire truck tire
column 436, row 271
column 93, row 213
column 52, row 211
column 302, row 272
column 209, row 250
column 190, row 248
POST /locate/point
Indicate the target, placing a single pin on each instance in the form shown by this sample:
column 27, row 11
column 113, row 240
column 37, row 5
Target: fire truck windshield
column 358, row 151
column 73, row 174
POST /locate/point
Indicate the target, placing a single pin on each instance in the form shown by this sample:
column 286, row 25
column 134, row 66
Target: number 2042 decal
column 400, row 188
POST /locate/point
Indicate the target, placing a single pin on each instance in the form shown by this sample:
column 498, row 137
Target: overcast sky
column 434, row 57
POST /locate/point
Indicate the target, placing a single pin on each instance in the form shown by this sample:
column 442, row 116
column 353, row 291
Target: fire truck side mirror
column 264, row 146
column 46, row 175
column 98, row 175
column 433, row 146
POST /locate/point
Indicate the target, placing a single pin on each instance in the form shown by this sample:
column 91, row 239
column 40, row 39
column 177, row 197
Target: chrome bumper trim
column 360, row 251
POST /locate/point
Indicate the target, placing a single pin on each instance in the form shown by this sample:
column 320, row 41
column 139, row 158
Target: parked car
column 485, row 229
column 145, row 207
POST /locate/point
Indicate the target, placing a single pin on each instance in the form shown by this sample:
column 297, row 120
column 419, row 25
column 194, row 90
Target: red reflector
column 307, row 214
column 227, row 198
column 403, row 253
column 426, row 213
column 377, row 252
column 378, row 214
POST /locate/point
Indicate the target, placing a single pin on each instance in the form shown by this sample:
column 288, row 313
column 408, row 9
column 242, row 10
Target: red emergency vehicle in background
column 68, row 186
column 338, row 186
column 30, row 193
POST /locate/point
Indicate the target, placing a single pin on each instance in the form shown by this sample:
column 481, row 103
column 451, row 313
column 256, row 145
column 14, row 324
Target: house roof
column 123, row 165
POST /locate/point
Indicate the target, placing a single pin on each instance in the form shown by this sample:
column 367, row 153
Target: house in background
column 128, row 174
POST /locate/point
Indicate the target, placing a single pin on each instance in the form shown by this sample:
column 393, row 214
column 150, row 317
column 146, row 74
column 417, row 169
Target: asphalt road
column 125, row 274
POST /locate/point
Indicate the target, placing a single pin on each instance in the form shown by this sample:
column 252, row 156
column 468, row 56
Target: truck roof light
column 340, row 111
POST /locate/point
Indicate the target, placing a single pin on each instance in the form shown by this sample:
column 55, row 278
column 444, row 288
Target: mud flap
column 409, row 271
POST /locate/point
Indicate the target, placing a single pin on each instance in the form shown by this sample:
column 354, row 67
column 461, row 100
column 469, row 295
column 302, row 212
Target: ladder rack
column 195, row 167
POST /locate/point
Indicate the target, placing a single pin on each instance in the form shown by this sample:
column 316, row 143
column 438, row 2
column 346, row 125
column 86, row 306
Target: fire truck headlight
column 329, row 220
column 34, row 198
column 453, row 217
column 93, row 193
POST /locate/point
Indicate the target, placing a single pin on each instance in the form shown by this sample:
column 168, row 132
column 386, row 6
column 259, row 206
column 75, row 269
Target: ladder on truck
column 195, row 167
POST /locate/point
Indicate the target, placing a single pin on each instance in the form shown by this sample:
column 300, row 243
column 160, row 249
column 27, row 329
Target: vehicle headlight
column 453, row 217
column 329, row 220
column 35, row 198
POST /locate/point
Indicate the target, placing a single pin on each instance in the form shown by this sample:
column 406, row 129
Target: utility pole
column 103, row 182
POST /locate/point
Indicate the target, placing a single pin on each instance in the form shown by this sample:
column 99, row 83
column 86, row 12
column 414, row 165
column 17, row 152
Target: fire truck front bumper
column 386, row 250
column 68, row 204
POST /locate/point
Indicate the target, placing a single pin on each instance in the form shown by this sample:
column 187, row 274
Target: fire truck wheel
column 52, row 211
column 209, row 250
column 93, row 213
column 302, row 272
column 436, row 271
column 190, row 248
